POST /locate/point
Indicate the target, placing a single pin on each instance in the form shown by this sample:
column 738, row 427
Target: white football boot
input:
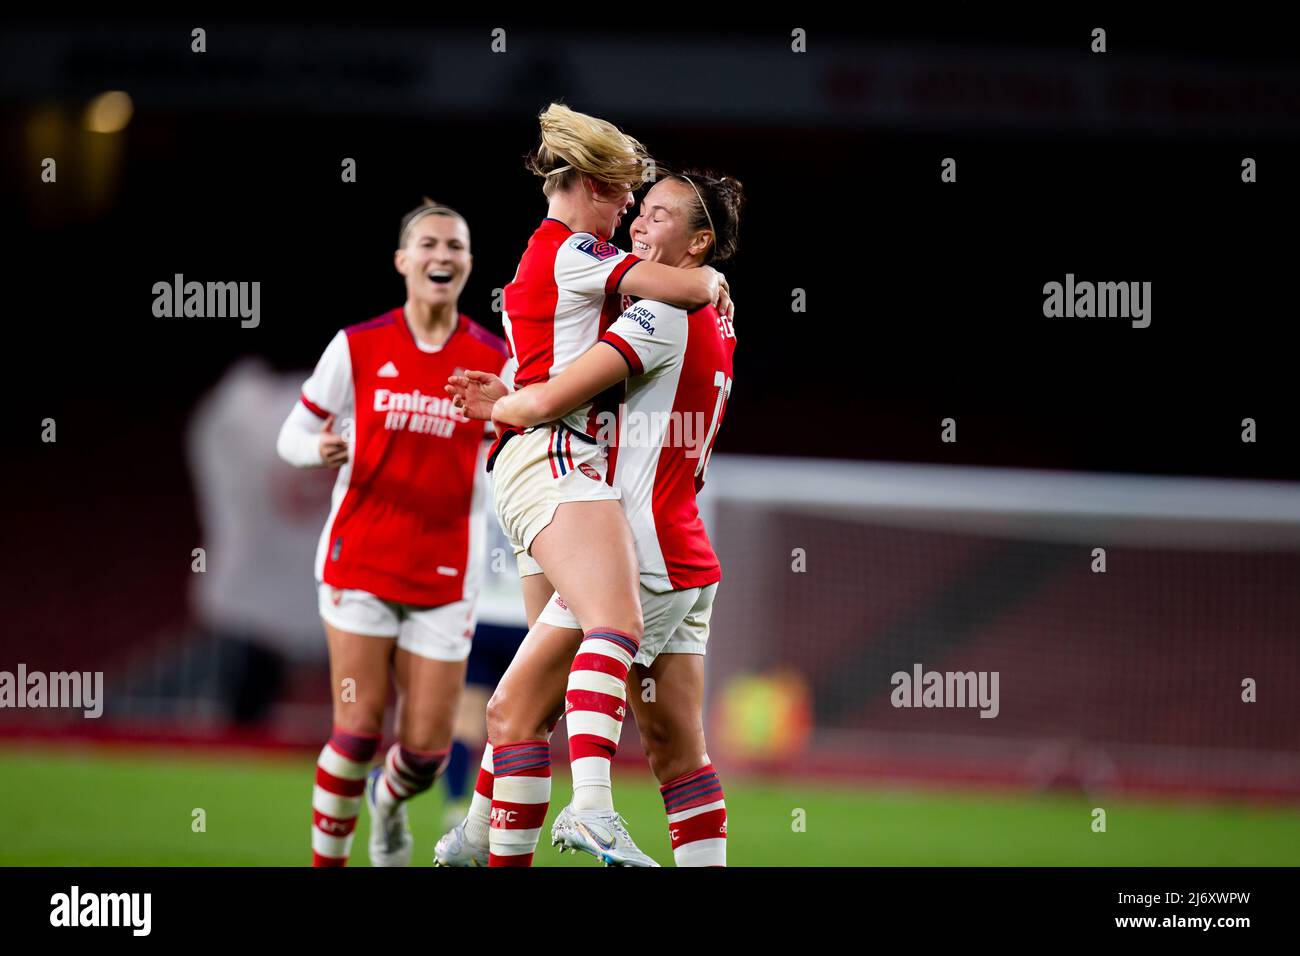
column 455, row 850
column 602, row 833
column 390, row 834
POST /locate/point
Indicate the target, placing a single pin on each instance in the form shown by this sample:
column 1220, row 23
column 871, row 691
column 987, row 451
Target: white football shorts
column 676, row 622
column 537, row 471
column 442, row 633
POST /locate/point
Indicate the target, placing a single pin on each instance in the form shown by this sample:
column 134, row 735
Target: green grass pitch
column 132, row 808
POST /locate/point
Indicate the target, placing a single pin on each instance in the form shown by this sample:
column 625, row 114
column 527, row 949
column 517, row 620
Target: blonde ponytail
column 574, row 144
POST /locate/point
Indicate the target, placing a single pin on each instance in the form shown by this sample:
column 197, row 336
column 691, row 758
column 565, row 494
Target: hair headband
column 704, row 205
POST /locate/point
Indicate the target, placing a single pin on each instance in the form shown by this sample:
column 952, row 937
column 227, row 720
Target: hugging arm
column 595, row 370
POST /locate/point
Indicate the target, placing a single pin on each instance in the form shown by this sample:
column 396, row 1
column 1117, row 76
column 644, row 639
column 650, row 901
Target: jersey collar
column 399, row 316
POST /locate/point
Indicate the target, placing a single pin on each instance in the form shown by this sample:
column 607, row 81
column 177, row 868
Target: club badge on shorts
column 590, row 472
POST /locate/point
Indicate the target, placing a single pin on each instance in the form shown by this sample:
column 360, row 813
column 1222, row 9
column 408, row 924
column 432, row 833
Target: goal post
column 1030, row 628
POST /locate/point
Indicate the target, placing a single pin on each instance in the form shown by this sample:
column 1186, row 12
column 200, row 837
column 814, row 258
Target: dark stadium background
column 923, row 299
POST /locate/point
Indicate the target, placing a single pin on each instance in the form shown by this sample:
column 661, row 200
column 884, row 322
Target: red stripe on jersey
column 703, row 826
column 616, row 277
column 595, row 701
column 609, row 402
column 313, row 407
column 337, row 785
column 629, row 354
column 526, row 816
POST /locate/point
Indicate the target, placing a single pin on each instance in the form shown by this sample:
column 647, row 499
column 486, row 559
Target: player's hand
column 724, row 304
column 474, row 393
column 333, row 448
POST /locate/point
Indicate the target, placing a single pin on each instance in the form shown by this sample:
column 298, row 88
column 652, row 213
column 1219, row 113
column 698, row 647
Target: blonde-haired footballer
column 555, row 500
column 678, row 367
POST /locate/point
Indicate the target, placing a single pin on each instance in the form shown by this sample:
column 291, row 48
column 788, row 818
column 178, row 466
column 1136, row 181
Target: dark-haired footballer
column 678, row 368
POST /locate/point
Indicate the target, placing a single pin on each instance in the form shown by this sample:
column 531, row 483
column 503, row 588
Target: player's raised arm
column 685, row 288
column 586, row 265
column 643, row 340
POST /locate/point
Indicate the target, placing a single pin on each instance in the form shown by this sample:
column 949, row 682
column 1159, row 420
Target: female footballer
column 551, row 482
column 400, row 557
column 680, row 368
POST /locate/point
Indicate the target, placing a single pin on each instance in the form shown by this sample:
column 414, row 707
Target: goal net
column 1116, row 631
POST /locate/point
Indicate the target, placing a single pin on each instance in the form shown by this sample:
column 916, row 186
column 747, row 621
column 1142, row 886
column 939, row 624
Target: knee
column 356, row 718
column 671, row 753
column 657, row 747
column 498, row 713
column 505, row 723
column 426, row 738
column 629, row 621
column 660, row 749
column 636, row 623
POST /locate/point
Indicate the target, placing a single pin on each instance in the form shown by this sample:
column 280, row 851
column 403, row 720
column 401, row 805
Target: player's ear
column 399, row 261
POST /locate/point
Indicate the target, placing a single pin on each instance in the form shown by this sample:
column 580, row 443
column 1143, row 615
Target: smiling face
column 661, row 231
column 435, row 260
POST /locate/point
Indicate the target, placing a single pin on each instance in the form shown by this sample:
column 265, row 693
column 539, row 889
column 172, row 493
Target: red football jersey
column 407, row 521
column 564, row 294
column 681, row 368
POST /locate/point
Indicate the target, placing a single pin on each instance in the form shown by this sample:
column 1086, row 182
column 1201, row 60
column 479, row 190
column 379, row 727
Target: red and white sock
column 595, row 703
column 521, row 793
column 406, row 773
column 479, row 819
column 336, row 798
column 697, row 818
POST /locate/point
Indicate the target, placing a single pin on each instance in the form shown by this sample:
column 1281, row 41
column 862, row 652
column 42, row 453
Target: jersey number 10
column 724, row 392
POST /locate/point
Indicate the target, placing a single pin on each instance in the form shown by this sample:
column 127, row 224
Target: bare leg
column 359, row 679
column 672, row 733
column 671, row 725
column 601, row 586
column 359, row 676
